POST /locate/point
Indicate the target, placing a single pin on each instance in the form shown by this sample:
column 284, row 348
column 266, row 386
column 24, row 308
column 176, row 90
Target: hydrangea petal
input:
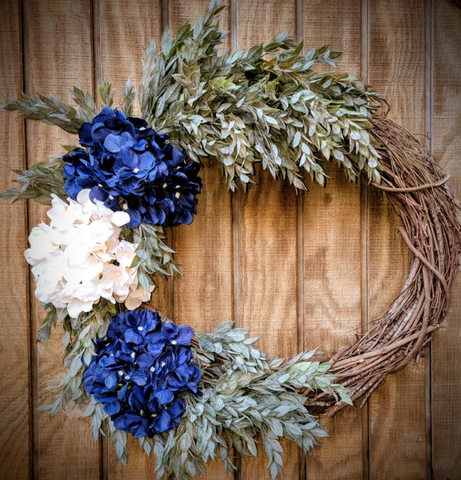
column 164, row 396
column 184, row 335
column 145, row 361
column 112, row 408
column 163, row 422
column 126, row 163
column 81, row 243
column 148, row 387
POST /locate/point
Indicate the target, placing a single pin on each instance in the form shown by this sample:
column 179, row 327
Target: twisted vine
column 417, row 188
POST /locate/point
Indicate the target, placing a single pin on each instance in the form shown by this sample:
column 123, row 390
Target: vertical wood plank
column 15, row 421
column 397, row 411
column 123, row 29
column 333, row 251
column 182, row 11
column 203, row 296
column 446, row 368
column 267, row 232
column 333, row 309
column 58, row 54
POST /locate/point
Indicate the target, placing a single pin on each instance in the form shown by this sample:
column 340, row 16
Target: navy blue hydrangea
column 139, row 371
column 131, row 167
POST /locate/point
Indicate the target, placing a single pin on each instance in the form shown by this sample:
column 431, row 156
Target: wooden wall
column 300, row 271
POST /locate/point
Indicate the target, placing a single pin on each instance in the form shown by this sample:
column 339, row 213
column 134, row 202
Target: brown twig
column 432, row 232
column 412, row 189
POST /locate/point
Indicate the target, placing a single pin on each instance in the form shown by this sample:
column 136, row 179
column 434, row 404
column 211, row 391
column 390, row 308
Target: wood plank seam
column 397, row 410
column 165, row 14
column 429, row 143
column 300, row 243
column 33, row 372
column 169, row 232
column 235, row 220
column 96, row 47
column 364, row 228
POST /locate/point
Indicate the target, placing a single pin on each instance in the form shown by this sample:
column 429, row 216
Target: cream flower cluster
column 79, row 258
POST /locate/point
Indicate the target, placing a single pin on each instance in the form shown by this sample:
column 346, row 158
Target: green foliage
column 153, row 256
column 49, row 110
column 50, row 321
column 106, row 92
column 38, row 183
column 118, row 439
column 86, row 109
column 129, row 94
column 52, row 111
column 77, row 340
column 266, row 105
column 245, row 392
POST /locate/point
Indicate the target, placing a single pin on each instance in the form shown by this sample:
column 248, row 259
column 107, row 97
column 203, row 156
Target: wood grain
column 267, row 232
column 446, row 367
column 397, row 411
column 58, row 54
column 15, row 421
column 203, row 296
column 268, row 283
column 181, row 11
column 123, row 29
column 243, row 251
column 332, row 253
column 333, row 250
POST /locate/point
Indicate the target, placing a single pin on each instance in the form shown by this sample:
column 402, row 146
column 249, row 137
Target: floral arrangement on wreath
column 189, row 397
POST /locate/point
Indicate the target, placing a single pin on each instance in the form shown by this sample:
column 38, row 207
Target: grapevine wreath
column 191, row 397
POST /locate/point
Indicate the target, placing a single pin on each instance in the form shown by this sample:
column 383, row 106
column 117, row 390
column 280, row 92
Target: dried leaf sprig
column 38, row 183
column 245, row 108
column 267, row 105
column 245, row 393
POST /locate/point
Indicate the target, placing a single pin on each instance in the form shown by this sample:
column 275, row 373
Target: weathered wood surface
column 57, row 38
column 398, row 425
column 301, row 272
column 266, row 252
column 333, row 251
column 446, row 143
column 15, row 420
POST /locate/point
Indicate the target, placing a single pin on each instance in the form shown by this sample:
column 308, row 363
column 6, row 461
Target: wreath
column 190, row 397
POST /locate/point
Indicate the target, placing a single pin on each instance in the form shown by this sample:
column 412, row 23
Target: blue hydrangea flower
column 130, row 166
column 140, row 370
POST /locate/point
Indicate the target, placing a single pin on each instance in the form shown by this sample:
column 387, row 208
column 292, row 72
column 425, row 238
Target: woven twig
column 416, row 187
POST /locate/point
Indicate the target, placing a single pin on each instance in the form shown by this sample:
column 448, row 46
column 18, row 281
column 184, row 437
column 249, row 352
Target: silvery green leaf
column 87, row 356
column 344, row 396
column 223, row 327
column 129, row 94
column 226, row 384
column 106, row 92
column 274, row 471
column 75, row 366
column 284, row 378
column 185, row 442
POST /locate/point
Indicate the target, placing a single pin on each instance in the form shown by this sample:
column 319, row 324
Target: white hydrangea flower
column 79, row 257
